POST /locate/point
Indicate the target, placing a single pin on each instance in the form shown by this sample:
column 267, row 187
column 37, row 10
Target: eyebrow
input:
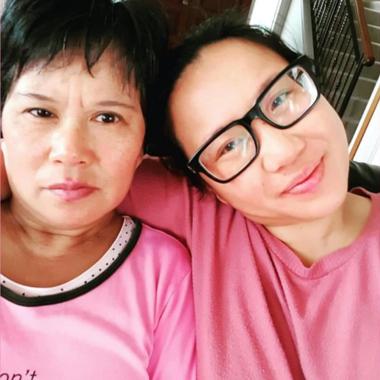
column 104, row 103
column 34, row 95
column 263, row 87
column 113, row 103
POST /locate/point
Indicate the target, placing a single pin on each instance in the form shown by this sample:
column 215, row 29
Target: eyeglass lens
column 289, row 97
column 228, row 153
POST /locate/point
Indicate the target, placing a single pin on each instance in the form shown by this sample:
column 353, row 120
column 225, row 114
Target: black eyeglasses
column 284, row 102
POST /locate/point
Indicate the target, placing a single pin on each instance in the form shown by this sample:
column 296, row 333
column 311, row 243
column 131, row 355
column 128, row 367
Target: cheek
column 22, row 158
column 120, row 164
column 124, row 165
column 244, row 192
column 338, row 131
column 338, row 150
column 333, row 126
column 118, row 147
column 22, row 139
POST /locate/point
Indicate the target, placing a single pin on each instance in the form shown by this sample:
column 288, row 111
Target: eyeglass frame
column 255, row 112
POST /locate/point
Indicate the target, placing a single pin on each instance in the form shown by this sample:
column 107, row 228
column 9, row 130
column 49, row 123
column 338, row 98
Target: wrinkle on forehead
column 117, row 68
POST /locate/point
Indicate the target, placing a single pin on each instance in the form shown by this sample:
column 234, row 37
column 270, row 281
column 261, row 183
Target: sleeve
column 160, row 199
column 173, row 356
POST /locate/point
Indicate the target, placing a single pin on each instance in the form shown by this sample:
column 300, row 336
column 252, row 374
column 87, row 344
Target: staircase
column 369, row 75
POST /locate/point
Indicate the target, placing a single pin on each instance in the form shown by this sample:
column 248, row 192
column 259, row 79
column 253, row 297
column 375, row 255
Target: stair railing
column 338, row 56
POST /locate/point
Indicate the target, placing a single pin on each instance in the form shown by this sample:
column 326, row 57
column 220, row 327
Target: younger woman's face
column 300, row 173
column 72, row 141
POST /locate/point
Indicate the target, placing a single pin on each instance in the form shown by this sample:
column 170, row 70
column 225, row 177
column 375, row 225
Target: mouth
column 307, row 181
column 71, row 190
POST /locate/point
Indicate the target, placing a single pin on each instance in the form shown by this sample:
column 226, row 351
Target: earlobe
column 211, row 190
column 4, row 186
column 220, row 199
column 139, row 159
column 3, row 152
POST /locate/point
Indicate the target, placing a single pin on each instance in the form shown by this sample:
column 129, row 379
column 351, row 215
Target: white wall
column 369, row 148
column 264, row 13
column 297, row 30
column 289, row 18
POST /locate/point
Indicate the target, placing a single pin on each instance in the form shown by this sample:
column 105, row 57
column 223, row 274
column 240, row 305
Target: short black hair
column 230, row 25
column 38, row 30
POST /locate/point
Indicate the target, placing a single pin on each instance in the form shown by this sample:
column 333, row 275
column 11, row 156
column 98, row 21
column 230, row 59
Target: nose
column 70, row 145
column 279, row 148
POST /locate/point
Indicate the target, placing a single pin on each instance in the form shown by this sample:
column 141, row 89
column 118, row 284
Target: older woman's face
column 72, row 141
column 300, row 172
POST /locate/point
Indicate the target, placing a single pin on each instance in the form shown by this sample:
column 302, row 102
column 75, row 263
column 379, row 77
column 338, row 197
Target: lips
column 71, row 190
column 307, row 181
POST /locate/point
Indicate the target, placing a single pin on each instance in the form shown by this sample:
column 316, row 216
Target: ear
column 139, row 159
column 209, row 189
column 5, row 189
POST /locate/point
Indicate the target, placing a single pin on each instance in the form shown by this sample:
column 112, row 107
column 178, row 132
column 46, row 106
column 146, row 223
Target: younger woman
column 286, row 262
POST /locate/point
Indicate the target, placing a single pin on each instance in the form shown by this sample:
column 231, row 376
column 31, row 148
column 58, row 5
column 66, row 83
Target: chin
column 64, row 221
column 324, row 206
column 64, row 226
column 332, row 193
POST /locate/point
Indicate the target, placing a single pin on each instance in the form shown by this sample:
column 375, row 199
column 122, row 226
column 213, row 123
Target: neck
column 313, row 240
column 34, row 255
column 59, row 241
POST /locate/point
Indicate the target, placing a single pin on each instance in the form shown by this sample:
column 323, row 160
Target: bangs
column 39, row 30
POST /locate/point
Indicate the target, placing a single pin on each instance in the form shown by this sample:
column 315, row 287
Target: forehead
column 237, row 51
column 228, row 62
column 108, row 74
column 221, row 85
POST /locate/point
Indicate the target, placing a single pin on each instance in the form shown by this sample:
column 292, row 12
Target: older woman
column 86, row 293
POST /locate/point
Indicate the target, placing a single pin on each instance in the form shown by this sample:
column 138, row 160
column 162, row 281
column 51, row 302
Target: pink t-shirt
column 135, row 322
column 260, row 313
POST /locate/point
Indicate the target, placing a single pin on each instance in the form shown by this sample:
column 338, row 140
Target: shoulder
column 366, row 206
column 152, row 169
column 162, row 252
column 375, row 198
column 153, row 184
column 160, row 267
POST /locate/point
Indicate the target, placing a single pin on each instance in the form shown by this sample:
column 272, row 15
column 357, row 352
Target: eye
column 40, row 113
column 279, row 100
column 232, row 146
column 107, row 118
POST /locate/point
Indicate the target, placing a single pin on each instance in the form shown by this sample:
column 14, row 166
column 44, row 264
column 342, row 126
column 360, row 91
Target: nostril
column 279, row 148
column 67, row 158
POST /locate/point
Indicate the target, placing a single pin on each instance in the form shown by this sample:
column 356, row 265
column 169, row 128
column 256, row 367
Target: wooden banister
column 369, row 57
